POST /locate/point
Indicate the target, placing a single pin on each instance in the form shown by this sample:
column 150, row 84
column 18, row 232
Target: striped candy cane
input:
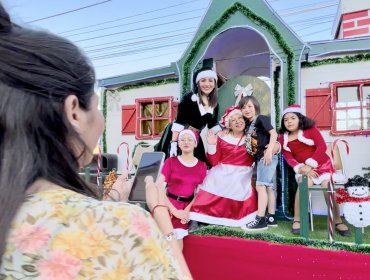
column 331, row 185
column 98, row 167
column 127, row 152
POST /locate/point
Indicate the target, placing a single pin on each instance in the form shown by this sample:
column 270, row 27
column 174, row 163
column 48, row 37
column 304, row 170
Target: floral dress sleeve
column 63, row 235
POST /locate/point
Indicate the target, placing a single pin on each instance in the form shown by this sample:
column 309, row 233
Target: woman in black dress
column 196, row 110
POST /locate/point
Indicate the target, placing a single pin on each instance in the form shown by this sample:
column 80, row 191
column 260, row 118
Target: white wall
column 320, row 77
column 114, row 118
column 350, row 6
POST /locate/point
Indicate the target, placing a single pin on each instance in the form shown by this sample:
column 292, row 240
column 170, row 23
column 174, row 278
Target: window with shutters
column 153, row 115
column 351, row 107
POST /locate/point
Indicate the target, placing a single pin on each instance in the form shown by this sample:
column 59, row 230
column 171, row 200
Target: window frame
column 354, row 83
column 139, row 118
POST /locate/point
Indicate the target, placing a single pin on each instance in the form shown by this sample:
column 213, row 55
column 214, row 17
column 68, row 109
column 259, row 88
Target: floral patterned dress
column 63, row 235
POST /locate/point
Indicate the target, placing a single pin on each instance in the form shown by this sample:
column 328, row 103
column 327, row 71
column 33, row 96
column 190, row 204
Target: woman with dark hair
column 52, row 226
column 304, row 149
column 196, row 110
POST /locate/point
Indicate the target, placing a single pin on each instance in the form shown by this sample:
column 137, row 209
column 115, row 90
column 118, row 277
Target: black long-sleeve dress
column 190, row 113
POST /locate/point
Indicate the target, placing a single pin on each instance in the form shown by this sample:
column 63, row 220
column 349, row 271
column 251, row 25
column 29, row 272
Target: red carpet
column 227, row 258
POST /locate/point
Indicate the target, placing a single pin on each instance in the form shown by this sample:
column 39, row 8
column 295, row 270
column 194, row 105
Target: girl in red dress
column 183, row 174
column 304, row 149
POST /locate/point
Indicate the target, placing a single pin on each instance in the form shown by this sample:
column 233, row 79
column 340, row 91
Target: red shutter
column 318, row 107
column 128, row 119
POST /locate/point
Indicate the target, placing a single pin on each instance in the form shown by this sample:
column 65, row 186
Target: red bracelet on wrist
column 157, row 206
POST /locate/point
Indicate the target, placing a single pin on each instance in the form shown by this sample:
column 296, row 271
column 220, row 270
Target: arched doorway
column 241, row 57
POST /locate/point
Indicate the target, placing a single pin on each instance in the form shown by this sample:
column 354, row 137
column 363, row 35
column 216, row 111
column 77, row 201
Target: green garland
column 319, row 244
column 277, row 97
column 147, row 84
column 337, row 60
column 128, row 87
column 257, row 20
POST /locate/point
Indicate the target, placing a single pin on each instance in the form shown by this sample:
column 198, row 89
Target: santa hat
column 229, row 112
column 295, row 108
column 204, row 74
column 189, row 132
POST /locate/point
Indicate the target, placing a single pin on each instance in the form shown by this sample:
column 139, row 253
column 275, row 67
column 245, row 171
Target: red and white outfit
column 182, row 180
column 308, row 149
column 226, row 196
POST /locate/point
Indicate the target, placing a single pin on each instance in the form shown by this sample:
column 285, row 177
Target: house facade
column 247, row 43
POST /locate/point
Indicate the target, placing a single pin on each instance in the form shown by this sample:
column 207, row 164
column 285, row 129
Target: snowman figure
column 355, row 198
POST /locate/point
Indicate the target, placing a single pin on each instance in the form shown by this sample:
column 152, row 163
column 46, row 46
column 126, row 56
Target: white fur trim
column 228, row 138
column 311, row 162
column 211, row 149
column 293, row 110
column 279, row 151
column 203, row 218
column 339, row 179
column 305, row 140
column 180, row 233
column 190, row 132
column 205, row 74
column 297, row 167
column 202, row 110
column 285, row 142
column 177, row 127
column 187, row 164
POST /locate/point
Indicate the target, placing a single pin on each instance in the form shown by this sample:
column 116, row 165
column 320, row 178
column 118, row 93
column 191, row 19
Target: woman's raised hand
column 211, row 138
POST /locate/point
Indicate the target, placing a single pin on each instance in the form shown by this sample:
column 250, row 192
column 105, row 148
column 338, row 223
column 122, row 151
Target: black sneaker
column 258, row 224
column 271, row 221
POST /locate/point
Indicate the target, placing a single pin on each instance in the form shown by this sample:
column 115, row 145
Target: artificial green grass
column 281, row 234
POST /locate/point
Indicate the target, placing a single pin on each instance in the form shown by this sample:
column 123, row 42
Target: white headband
column 205, row 74
column 190, row 132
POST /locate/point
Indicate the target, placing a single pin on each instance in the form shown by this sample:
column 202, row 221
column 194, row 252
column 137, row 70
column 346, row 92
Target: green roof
column 339, row 46
column 143, row 76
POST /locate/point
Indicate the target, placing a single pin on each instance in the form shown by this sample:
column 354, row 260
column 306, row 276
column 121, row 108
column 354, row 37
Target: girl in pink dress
column 304, row 149
column 183, row 174
column 226, row 196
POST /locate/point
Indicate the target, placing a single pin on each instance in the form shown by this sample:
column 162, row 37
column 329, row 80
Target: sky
column 121, row 36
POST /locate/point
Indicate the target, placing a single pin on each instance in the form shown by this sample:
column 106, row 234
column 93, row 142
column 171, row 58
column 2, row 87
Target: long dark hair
column 213, row 96
column 304, row 123
column 38, row 71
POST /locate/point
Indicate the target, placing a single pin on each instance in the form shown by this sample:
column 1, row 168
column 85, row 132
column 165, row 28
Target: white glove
column 173, row 150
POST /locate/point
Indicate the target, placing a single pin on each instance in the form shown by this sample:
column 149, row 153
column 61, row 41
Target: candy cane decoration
column 98, row 167
column 127, row 152
column 331, row 184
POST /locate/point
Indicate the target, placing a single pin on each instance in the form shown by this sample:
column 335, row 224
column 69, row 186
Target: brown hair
column 254, row 101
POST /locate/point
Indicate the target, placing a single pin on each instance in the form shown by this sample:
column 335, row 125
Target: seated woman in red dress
column 183, row 174
column 226, row 196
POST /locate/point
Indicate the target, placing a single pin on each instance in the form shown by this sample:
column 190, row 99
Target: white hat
column 189, row 132
column 205, row 74
column 295, row 108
